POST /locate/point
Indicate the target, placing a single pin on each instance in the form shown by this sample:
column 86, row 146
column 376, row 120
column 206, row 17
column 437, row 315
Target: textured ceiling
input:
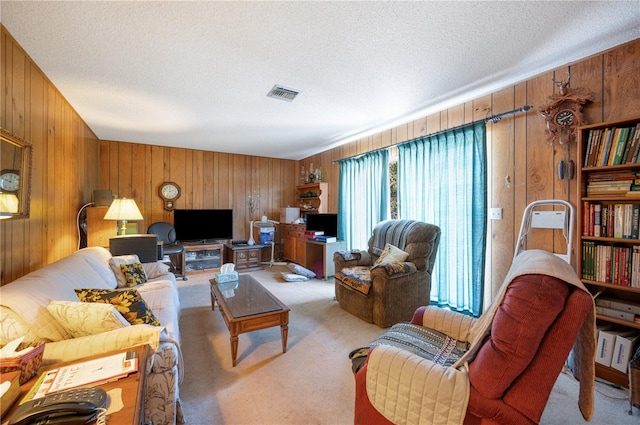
column 196, row 74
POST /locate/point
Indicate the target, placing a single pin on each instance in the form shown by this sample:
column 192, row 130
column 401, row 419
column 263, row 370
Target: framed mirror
column 15, row 176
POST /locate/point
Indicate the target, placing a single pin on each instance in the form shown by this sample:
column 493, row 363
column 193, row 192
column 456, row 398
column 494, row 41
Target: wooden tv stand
column 202, row 256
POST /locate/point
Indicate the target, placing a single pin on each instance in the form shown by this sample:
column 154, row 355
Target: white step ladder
column 549, row 214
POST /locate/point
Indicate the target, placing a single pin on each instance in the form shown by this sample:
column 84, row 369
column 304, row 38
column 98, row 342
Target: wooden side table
column 246, row 257
column 132, row 389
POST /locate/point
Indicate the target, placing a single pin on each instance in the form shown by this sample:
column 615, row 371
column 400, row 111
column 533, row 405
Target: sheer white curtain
column 442, row 180
column 363, row 197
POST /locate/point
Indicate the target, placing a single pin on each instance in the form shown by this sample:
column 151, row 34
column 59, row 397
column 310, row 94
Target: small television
column 327, row 223
column 203, row 225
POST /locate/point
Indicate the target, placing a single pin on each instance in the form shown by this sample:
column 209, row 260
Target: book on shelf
column 313, row 233
column 612, row 146
column 616, row 314
column 616, row 265
column 324, row 239
column 611, row 220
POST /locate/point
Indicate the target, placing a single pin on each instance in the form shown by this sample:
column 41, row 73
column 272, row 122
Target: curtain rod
column 498, row 117
column 493, row 118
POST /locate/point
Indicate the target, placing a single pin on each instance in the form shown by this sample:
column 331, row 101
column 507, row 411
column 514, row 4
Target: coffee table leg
column 234, row 349
column 284, row 331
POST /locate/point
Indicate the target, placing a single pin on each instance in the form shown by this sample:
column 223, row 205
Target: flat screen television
column 203, row 225
column 328, row 223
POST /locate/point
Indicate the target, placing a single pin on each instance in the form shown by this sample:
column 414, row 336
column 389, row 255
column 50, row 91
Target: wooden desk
column 322, row 251
column 132, row 389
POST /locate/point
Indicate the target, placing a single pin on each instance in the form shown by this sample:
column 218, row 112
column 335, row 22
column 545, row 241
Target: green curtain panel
column 363, row 199
column 442, row 179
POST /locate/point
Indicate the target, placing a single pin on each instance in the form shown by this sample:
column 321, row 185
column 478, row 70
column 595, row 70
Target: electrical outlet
column 495, row 213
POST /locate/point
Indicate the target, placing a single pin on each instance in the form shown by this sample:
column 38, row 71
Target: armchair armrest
column 406, row 388
column 342, row 259
column 104, row 342
column 393, row 270
column 455, row 325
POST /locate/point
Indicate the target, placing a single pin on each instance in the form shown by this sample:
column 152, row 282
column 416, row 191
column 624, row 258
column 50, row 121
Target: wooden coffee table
column 247, row 306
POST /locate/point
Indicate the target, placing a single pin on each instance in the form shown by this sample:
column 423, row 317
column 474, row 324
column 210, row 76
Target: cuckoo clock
column 563, row 112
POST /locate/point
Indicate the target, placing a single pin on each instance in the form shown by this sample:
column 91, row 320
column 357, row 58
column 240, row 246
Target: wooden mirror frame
column 16, row 154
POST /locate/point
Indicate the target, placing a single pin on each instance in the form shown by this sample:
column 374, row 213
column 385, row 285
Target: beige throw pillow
column 119, row 260
column 156, row 269
column 391, row 254
column 83, row 319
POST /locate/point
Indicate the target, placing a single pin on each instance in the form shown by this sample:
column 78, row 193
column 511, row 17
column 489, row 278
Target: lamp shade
column 123, row 209
column 8, row 205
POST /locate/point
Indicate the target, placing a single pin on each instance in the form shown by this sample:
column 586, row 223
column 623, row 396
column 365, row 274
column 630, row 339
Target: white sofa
column 23, row 312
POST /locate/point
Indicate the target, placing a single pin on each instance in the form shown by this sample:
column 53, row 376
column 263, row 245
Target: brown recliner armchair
column 517, row 350
column 388, row 293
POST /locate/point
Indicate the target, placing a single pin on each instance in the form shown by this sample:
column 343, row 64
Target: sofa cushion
column 29, row 295
column 298, row 269
column 156, row 269
column 82, row 319
column 128, row 302
column 116, row 262
column 513, row 341
column 12, row 326
column 134, row 273
column 391, row 254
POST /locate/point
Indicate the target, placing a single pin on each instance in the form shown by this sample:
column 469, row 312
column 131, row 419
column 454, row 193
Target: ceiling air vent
column 283, row 93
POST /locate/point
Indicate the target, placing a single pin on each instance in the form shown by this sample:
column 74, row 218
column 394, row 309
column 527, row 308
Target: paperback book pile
column 311, row 234
column 324, row 239
column 610, row 182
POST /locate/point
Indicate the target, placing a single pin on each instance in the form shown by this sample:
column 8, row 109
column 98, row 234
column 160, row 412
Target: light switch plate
column 495, row 213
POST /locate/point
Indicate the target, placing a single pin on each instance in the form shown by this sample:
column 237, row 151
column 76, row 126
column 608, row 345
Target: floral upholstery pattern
column 349, row 255
column 82, row 319
column 133, row 273
column 394, row 268
column 128, row 302
column 391, row 254
column 162, row 386
column 358, row 278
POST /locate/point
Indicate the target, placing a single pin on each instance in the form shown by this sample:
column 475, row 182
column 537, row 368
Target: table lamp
column 123, row 210
column 8, row 205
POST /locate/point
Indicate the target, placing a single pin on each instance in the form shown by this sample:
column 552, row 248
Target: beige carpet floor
column 312, row 382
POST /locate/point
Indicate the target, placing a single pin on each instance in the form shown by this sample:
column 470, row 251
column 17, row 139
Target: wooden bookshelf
column 609, row 260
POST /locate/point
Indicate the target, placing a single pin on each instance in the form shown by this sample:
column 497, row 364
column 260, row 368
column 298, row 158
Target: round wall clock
column 169, row 192
column 10, row 180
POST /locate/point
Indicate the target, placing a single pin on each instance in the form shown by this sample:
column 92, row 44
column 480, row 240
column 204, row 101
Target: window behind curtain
column 442, row 180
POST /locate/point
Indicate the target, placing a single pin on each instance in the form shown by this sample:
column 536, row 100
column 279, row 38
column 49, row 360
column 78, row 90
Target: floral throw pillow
column 83, row 319
column 116, row 262
column 133, row 273
column 128, row 302
column 391, row 254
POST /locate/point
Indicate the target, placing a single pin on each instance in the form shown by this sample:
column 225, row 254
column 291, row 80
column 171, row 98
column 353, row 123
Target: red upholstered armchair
column 510, row 369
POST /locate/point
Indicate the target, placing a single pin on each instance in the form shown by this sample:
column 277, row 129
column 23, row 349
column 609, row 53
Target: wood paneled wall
column 65, row 157
column 522, row 167
column 207, row 180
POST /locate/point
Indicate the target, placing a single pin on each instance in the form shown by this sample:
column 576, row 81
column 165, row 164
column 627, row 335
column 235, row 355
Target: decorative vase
column 251, row 241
